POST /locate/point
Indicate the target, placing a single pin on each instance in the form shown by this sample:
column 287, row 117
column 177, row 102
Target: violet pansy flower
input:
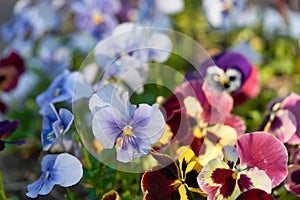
column 97, row 17
column 63, row 169
column 6, row 129
column 292, row 182
column 116, row 122
column 231, row 72
column 282, row 119
column 55, row 125
column 258, row 162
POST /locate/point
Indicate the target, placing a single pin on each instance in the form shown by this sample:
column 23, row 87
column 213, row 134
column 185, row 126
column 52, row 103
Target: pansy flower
column 53, row 53
column 6, row 129
column 292, row 182
column 111, row 195
column 171, row 181
column 11, row 68
column 55, row 125
column 64, row 88
column 57, row 169
column 228, row 13
column 258, row 162
column 125, row 55
column 116, row 122
column 283, row 117
column 231, row 72
column 96, row 17
column 202, row 119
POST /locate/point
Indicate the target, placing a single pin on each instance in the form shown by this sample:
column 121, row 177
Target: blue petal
column 69, row 168
column 66, row 118
column 107, row 124
column 133, row 148
column 142, row 116
column 34, row 188
column 155, row 129
column 48, row 162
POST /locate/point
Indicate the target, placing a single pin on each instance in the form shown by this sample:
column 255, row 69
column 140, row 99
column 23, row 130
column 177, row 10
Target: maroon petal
column 111, row 195
column 266, row 152
column 224, row 177
column 160, row 183
column 255, row 194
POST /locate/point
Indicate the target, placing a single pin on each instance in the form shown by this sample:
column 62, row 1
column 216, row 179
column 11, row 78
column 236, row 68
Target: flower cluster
column 99, row 88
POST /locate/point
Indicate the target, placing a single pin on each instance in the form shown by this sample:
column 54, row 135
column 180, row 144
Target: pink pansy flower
column 202, row 119
column 292, row 183
column 258, row 162
column 283, row 119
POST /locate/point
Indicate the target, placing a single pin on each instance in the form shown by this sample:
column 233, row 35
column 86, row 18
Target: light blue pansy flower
column 63, row 169
column 116, row 122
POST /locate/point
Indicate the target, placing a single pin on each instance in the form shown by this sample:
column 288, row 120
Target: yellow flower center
column 97, row 18
column 56, row 92
column 127, row 131
column 227, row 7
column 234, row 175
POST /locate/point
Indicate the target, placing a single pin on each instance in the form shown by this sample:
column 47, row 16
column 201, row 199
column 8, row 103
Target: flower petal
column 142, row 116
column 107, row 124
column 68, row 167
column 266, row 152
column 254, row 178
column 170, row 6
column 231, row 155
column 292, row 182
column 160, row 46
column 296, row 157
column 160, row 183
column 255, row 194
column 66, row 118
column 155, row 129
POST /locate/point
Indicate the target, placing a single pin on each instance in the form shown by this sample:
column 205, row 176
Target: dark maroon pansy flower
column 169, row 181
column 232, row 72
column 6, row 129
column 111, row 195
column 255, row 194
column 11, row 68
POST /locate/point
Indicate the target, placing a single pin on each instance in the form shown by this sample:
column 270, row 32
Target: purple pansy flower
column 63, row 169
column 258, row 162
column 232, row 72
column 292, row 182
column 255, row 194
column 66, row 87
column 55, row 125
column 6, row 129
column 97, row 17
column 126, row 54
column 116, row 122
column 283, row 118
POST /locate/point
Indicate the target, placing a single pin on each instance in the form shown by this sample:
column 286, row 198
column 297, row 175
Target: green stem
column 69, row 194
column 2, row 191
column 87, row 158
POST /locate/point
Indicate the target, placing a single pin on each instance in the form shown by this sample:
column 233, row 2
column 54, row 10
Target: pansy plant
column 117, row 122
column 258, row 162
